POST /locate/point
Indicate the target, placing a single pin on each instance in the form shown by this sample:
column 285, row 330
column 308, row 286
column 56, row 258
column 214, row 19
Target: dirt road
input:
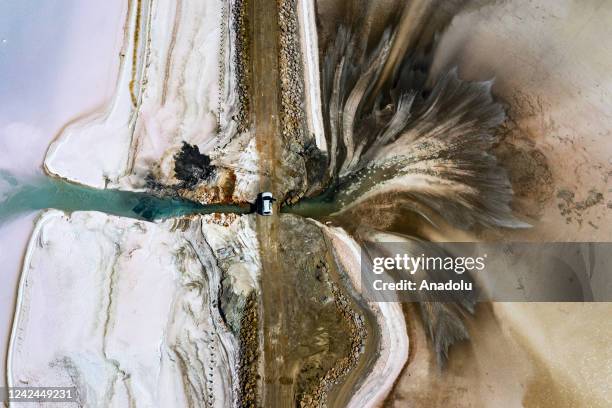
column 265, row 89
column 306, row 333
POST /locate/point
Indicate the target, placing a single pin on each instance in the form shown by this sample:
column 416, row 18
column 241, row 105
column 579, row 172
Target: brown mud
column 313, row 333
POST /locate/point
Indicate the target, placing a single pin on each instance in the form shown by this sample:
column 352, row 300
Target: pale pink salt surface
column 57, row 63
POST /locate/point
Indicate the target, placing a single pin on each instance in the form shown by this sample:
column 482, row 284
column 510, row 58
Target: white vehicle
column 264, row 203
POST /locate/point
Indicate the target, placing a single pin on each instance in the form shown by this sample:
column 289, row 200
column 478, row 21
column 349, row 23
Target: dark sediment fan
column 393, row 127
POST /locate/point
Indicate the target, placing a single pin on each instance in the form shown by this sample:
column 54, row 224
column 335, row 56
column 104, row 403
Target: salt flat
column 127, row 311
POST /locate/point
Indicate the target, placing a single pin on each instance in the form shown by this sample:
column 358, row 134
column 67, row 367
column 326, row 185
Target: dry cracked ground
column 368, row 121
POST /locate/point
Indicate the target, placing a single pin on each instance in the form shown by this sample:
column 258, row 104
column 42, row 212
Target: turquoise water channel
column 19, row 196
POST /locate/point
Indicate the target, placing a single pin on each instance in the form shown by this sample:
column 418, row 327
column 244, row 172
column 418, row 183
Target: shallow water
column 22, row 196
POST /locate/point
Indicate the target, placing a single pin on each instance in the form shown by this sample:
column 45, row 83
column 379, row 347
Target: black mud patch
column 191, row 166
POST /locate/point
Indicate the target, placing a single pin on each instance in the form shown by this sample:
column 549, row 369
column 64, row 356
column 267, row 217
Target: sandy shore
column 551, row 68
